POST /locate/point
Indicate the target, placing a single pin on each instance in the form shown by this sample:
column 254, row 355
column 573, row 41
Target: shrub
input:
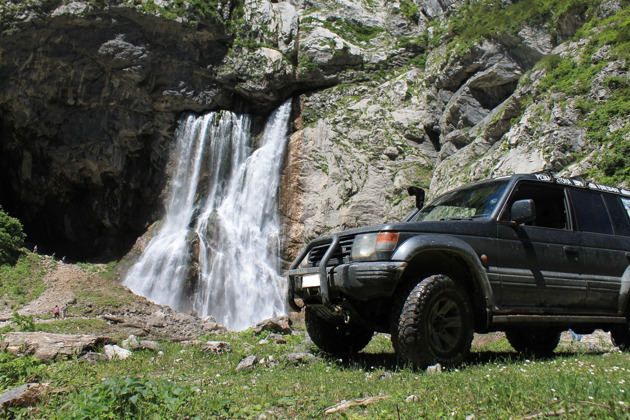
column 24, row 322
column 130, row 398
column 11, row 238
column 16, row 370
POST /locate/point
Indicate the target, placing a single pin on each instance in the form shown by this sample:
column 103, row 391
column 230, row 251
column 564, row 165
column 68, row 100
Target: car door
column 606, row 247
column 540, row 264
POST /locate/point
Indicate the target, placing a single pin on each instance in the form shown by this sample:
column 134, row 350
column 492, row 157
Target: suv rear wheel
column 535, row 341
column 621, row 336
column 433, row 323
column 336, row 339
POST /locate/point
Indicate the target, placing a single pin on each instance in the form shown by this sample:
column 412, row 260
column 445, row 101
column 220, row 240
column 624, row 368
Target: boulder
column 299, row 358
column 113, row 351
column 216, row 347
column 281, row 325
column 22, row 396
column 48, row 346
column 248, row 363
column 150, row 345
column 131, row 343
column 93, row 357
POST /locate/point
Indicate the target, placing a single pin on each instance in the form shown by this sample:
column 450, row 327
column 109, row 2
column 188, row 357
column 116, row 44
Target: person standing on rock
column 56, row 312
column 64, row 311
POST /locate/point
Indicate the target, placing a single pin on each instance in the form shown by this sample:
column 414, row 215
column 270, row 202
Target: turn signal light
column 386, row 241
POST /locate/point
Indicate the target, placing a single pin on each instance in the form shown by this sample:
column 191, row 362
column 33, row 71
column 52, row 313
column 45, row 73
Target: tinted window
column 549, row 201
column 618, row 213
column 591, row 212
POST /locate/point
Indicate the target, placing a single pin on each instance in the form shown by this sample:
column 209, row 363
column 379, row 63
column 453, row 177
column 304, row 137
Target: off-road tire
column 534, row 341
column 432, row 322
column 336, row 339
column 620, row 336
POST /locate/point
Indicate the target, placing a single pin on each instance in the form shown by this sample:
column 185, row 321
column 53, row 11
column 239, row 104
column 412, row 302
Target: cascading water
column 223, row 199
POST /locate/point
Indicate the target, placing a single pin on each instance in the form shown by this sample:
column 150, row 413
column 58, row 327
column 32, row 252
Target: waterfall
column 222, row 211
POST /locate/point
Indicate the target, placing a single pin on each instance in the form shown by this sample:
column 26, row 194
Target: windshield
column 473, row 201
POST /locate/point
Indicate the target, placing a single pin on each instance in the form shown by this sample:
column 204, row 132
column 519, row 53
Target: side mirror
column 523, row 211
column 419, row 193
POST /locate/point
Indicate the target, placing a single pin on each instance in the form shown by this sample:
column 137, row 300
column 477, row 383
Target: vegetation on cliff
column 11, row 238
column 602, row 116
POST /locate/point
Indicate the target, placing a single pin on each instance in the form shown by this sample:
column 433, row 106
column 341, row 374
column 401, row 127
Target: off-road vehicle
column 531, row 255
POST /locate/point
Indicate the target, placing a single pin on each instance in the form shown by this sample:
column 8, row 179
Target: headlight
column 374, row 246
column 364, row 246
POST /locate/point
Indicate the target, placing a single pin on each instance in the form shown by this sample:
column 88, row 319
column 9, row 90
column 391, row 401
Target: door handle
column 573, row 252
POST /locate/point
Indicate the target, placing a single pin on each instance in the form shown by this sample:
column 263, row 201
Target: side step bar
column 557, row 319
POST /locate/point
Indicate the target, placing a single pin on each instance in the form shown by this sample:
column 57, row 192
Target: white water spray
column 227, row 198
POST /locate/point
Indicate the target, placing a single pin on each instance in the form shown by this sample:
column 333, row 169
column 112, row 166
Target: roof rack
column 578, row 181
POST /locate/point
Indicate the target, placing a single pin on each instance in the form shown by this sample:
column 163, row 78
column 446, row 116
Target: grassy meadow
column 580, row 381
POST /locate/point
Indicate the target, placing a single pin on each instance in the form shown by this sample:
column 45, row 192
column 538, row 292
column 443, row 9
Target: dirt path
column 60, row 282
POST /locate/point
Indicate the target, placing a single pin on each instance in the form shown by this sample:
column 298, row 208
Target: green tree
column 11, row 238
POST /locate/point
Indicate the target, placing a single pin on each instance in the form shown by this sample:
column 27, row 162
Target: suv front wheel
column 433, row 323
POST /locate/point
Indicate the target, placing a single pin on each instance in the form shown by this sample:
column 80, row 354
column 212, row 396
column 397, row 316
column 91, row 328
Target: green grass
column 96, row 326
column 478, row 19
column 184, row 381
column 21, row 283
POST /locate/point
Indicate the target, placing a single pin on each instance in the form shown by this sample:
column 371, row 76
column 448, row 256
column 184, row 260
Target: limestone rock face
column 546, row 136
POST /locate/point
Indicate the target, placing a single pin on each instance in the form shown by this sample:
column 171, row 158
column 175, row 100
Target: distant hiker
column 575, row 337
column 56, row 311
column 64, row 311
column 35, row 250
column 63, row 260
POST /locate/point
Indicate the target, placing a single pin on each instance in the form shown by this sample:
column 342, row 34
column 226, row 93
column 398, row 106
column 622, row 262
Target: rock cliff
column 386, row 94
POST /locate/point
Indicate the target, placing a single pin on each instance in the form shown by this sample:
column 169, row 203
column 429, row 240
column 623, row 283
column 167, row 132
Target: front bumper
column 367, row 280
column 358, row 280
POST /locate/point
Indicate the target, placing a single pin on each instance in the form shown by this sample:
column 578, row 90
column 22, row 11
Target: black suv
column 531, row 255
